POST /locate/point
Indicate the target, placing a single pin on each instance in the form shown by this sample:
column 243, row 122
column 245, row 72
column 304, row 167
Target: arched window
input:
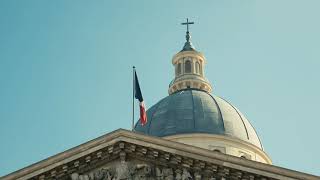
column 176, row 71
column 179, row 69
column 187, row 67
column 197, row 67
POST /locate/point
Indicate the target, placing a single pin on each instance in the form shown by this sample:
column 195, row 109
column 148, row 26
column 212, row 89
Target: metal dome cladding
column 195, row 111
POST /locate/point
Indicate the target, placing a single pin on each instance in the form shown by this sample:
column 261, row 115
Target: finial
column 187, row 34
column 188, row 45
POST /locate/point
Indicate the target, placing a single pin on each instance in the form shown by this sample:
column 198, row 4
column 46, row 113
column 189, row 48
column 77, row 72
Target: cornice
column 126, row 143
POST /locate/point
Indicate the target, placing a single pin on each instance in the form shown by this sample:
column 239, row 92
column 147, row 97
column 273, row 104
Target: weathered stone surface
column 136, row 171
column 128, row 155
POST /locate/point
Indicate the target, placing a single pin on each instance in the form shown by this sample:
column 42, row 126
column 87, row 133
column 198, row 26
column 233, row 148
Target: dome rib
column 254, row 129
column 152, row 116
column 245, row 127
column 194, row 122
column 218, row 107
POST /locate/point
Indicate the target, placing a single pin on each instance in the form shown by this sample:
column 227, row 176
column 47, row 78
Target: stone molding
column 126, row 146
column 195, row 54
column 231, row 141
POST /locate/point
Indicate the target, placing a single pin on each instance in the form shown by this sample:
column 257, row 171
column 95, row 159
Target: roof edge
column 156, row 142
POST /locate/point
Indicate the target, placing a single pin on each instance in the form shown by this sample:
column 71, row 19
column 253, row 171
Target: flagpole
column 133, row 92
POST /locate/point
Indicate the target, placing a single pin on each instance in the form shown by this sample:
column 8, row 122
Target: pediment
column 124, row 154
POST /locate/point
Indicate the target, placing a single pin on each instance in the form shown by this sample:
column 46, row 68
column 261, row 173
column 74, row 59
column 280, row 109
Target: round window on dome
column 217, row 150
column 245, row 156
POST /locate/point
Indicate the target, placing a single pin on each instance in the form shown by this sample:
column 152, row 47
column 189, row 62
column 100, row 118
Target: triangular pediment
column 124, row 154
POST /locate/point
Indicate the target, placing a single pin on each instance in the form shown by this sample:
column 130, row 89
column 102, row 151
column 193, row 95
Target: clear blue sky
column 65, row 70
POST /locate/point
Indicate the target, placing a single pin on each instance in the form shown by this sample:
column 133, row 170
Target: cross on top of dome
column 188, row 45
column 187, row 23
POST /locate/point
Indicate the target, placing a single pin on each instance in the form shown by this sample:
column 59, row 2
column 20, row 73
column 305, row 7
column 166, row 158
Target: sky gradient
column 66, row 70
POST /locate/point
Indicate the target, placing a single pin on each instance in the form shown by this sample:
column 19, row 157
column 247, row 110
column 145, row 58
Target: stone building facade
column 124, row 154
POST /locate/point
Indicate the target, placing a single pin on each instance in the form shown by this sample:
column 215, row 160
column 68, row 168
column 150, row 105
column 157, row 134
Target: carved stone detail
column 141, row 171
column 127, row 161
column 186, row 175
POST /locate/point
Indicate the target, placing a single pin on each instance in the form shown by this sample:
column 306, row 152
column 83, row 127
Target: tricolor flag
column 138, row 95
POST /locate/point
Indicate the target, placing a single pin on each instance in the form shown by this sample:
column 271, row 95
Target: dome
column 195, row 111
column 192, row 115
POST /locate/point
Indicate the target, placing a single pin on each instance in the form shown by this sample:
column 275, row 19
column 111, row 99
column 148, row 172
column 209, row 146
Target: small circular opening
column 243, row 157
column 217, row 150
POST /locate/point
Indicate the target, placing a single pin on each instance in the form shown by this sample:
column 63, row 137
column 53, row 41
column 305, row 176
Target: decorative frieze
column 124, row 160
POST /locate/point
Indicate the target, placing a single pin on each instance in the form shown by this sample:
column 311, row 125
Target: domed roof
column 196, row 111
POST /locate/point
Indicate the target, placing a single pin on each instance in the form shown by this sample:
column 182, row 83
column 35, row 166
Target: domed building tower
column 193, row 116
column 176, row 142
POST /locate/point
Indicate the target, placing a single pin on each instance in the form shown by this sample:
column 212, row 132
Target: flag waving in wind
column 138, row 95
